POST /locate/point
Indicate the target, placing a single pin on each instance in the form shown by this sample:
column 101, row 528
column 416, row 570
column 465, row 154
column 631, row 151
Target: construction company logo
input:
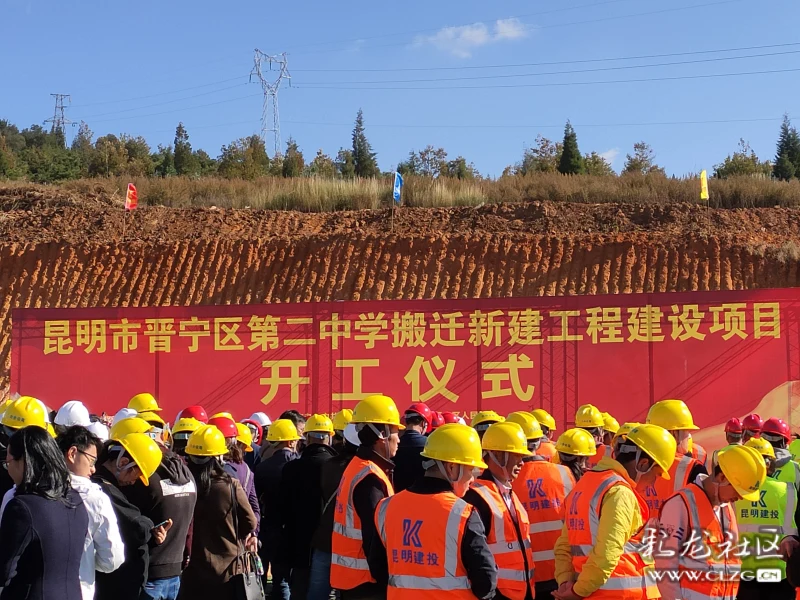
column 411, row 533
column 536, row 488
column 760, row 502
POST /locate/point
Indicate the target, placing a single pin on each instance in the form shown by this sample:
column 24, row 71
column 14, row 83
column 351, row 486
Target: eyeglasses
column 92, row 458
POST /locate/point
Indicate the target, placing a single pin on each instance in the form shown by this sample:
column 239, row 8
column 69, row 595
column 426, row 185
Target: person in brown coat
column 220, row 528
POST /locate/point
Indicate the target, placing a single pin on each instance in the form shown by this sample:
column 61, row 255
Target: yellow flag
column 703, row 185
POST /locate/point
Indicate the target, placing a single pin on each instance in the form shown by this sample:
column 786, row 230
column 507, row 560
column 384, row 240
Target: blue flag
column 398, row 186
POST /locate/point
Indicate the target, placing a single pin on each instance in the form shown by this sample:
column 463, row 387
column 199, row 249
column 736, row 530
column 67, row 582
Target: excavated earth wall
column 68, row 252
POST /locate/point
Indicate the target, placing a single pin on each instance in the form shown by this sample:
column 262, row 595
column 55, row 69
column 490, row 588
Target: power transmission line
column 59, row 120
column 177, row 110
column 131, row 99
column 270, row 90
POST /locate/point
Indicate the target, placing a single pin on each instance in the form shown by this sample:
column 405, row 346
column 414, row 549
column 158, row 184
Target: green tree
column 643, row 161
column 322, row 166
column 50, row 164
column 544, row 157
column 15, row 141
column 8, row 162
column 460, row 169
column 410, row 166
column 185, row 160
column 364, row 159
column 293, row 161
column 345, row 164
column 82, row 147
column 246, row 158
column 109, row 158
column 571, row 162
column 140, row 162
column 207, row 165
column 164, row 161
column 594, row 164
column 788, row 150
column 743, row 162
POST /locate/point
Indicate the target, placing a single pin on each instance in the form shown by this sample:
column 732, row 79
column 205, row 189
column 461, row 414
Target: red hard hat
column 775, row 426
column 225, row 425
column 734, row 425
column 752, row 423
column 437, row 420
column 423, row 410
column 194, row 412
column 257, row 425
column 450, row 417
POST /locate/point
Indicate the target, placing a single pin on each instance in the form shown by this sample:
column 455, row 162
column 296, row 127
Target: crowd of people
column 373, row 504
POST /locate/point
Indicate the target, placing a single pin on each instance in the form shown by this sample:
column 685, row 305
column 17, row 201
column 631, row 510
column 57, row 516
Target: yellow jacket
column 620, row 519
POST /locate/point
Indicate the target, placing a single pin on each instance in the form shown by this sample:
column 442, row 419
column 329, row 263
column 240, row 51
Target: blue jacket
column 407, row 461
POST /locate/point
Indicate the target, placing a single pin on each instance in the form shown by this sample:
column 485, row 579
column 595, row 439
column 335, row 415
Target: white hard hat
column 351, row 434
column 98, row 429
column 73, row 413
column 462, row 421
column 261, row 418
column 123, row 413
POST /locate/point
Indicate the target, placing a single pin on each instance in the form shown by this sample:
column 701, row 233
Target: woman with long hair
column 223, row 520
column 44, row 525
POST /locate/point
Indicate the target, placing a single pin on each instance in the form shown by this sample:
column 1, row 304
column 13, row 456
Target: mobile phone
column 162, row 524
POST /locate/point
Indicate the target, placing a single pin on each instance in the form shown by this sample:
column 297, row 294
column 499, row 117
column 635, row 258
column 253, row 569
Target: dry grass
column 313, row 194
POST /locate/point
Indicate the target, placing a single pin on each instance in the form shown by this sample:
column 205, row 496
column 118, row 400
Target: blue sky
column 127, row 64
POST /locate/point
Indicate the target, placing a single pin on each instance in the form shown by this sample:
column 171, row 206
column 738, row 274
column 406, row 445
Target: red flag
column 131, row 198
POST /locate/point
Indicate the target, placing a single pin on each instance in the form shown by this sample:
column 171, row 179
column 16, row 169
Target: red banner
column 725, row 353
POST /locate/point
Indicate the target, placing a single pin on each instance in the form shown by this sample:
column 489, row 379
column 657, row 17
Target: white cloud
column 610, row 155
column 461, row 40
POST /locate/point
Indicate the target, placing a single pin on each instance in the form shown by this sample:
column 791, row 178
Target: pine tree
column 364, row 159
column 293, row 162
column 185, row 161
column 594, row 164
column 571, row 160
column 788, row 151
column 642, row 162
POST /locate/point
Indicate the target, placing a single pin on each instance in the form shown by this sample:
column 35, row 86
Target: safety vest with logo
column 788, row 473
column 628, row 580
column 714, row 550
column 513, row 581
column 602, row 450
column 764, row 523
column 546, row 449
column 663, row 489
column 422, row 534
column 349, row 567
column 542, row 488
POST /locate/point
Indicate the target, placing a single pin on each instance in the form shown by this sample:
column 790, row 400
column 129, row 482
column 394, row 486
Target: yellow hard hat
column 672, row 415
column 744, row 468
column 544, row 418
column 486, row 416
column 506, row 437
column 144, row 452
column 610, row 424
column 244, row 436
column 763, row 447
column 342, row 419
column 151, row 417
column 186, row 425
column 144, row 403
column 530, row 426
column 207, row 440
column 128, row 426
column 657, row 443
column 24, row 412
column 377, row 409
column 319, row 424
column 588, row 416
column 455, row 443
column 577, row 442
column 625, row 429
column 282, row 430
column 225, row 415
column 51, row 430
column 794, row 448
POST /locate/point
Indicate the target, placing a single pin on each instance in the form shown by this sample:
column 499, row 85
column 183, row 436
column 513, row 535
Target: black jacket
column 475, row 554
column 302, row 502
column 42, row 546
column 329, row 485
column 407, row 461
column 485, row 514
column 251, row 459
column 267, row 481
column 127, row 582
column 171, row 494
column 6, row 483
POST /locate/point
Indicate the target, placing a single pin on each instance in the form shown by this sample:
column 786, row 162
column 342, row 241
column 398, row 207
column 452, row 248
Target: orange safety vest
column 349, row 568
column 663, row 489
column 722, row 561
column 699, row 453
column 546, row 449
column 422, row 534
column 542, row 488
column 602, row 450
column 513, row 581
column 628, row 580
